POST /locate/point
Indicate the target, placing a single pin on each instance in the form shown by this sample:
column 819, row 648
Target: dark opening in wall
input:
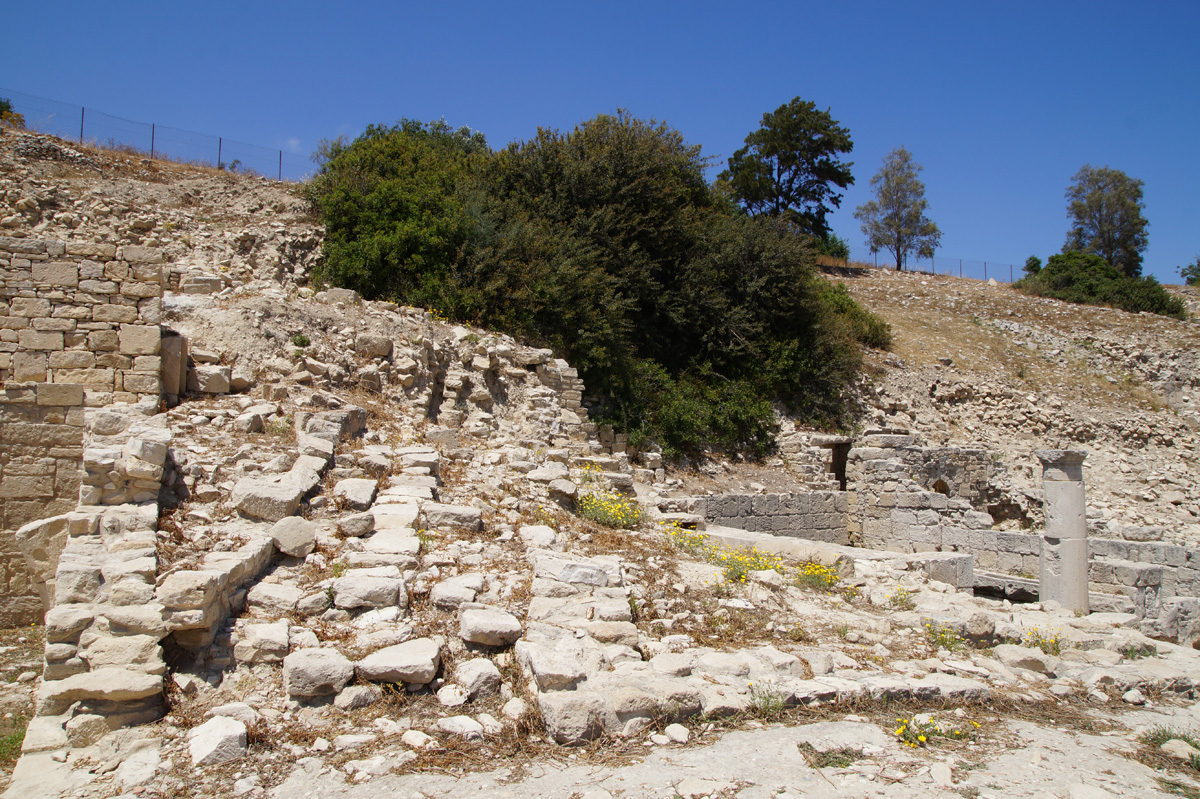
column 837, row 463
column 941, row 487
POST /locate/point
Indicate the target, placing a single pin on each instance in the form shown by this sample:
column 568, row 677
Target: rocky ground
column 440, row 616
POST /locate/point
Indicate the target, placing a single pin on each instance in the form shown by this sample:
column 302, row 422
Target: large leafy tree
column 895, row 220
column 790, row 167
column 1105, row 208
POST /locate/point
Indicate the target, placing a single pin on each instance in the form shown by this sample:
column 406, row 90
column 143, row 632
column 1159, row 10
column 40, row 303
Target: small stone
column 677, row 733
column 356, row 697
column 418, row 740
column 941, row 774
column 489, row 626
column 218, row 740
column 1134, row 697
column 294, row 536
column 1180, row 750
column 452, row 695
column 462, row 726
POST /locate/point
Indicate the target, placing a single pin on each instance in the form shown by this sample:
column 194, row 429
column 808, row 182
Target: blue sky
column 1001, row 102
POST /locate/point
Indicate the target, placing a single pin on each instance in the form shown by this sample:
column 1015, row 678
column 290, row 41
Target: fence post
column 960, row 267
column 218, row 152
column 985, row 270
column 82, row 111
column 152, row 126
column 281, row 164
column 1010, row 274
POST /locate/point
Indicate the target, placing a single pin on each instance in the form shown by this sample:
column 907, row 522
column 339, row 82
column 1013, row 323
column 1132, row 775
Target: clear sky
column 1001, row 102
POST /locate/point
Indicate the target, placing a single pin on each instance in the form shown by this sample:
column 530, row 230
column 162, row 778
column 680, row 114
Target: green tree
column 9, row 116
column 1105, row 208
column 1191, row 272
column 895, row 220
column 395, row 205
column 790, row 168
column 1033, row 265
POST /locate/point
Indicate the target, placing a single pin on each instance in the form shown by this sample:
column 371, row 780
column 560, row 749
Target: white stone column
column 1064, row 564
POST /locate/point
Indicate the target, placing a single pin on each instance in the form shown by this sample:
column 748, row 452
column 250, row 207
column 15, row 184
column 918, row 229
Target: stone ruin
column 85, row 455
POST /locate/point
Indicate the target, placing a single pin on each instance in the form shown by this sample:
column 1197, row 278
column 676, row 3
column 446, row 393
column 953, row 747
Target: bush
column 1191, row 273
column 1086, row 279
column 9, row 117
column 687, row 319
column 1033, row 265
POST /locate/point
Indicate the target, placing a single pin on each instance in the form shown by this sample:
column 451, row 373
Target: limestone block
column 63, row 394
column 173, row 351
column 218, row 740
column 140, row 339
column 140, row 255
column 262, row 643
column 479, row 676
column 209, row 379
column 138, row 651
column 572, row 717
column 114, row 313
column 269, row 499
column 438, row 515
column 413, row 661
column 201, row 284
column 294, row 536
column 188, row 590
column 107, row 684
column 28, row 366
column 141, row 383
column 103, row 340
column 368, row 591
column 373, row 346
column 355, row 493
column 449, row 594
column 58, row 274
column 39, row 340
column 272, row 598
column 28, row 307
column 316, row 672
column 92, row 249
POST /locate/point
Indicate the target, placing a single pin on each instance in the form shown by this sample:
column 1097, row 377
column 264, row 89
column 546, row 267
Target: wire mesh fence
column 92, row 126
column 940, row 265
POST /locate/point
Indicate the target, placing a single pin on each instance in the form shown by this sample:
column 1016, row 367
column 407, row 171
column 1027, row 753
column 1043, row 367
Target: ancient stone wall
column 41, row 440
column 814, row 516
column 84, row 313
column 79, row 327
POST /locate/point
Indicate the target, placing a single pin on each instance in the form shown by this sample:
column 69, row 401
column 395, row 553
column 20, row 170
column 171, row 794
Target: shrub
column 9, row 117
column 1191, row 273
column 300, row 340
column 1085, row 279
column 1033, row 265
column 688, row 320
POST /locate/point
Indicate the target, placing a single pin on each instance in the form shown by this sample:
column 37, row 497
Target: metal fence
column 152, row 140
column 940, row 265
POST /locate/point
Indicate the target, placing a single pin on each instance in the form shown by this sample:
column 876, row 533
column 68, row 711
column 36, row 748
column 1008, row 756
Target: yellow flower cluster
column 610, row 509
column 901, row 599
column 816, row 575
column 1049, row 642
column 917, row 732
column 738, row 563
column 942, row 636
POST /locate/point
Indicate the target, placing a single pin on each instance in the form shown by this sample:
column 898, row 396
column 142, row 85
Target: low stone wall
column 814, row 516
